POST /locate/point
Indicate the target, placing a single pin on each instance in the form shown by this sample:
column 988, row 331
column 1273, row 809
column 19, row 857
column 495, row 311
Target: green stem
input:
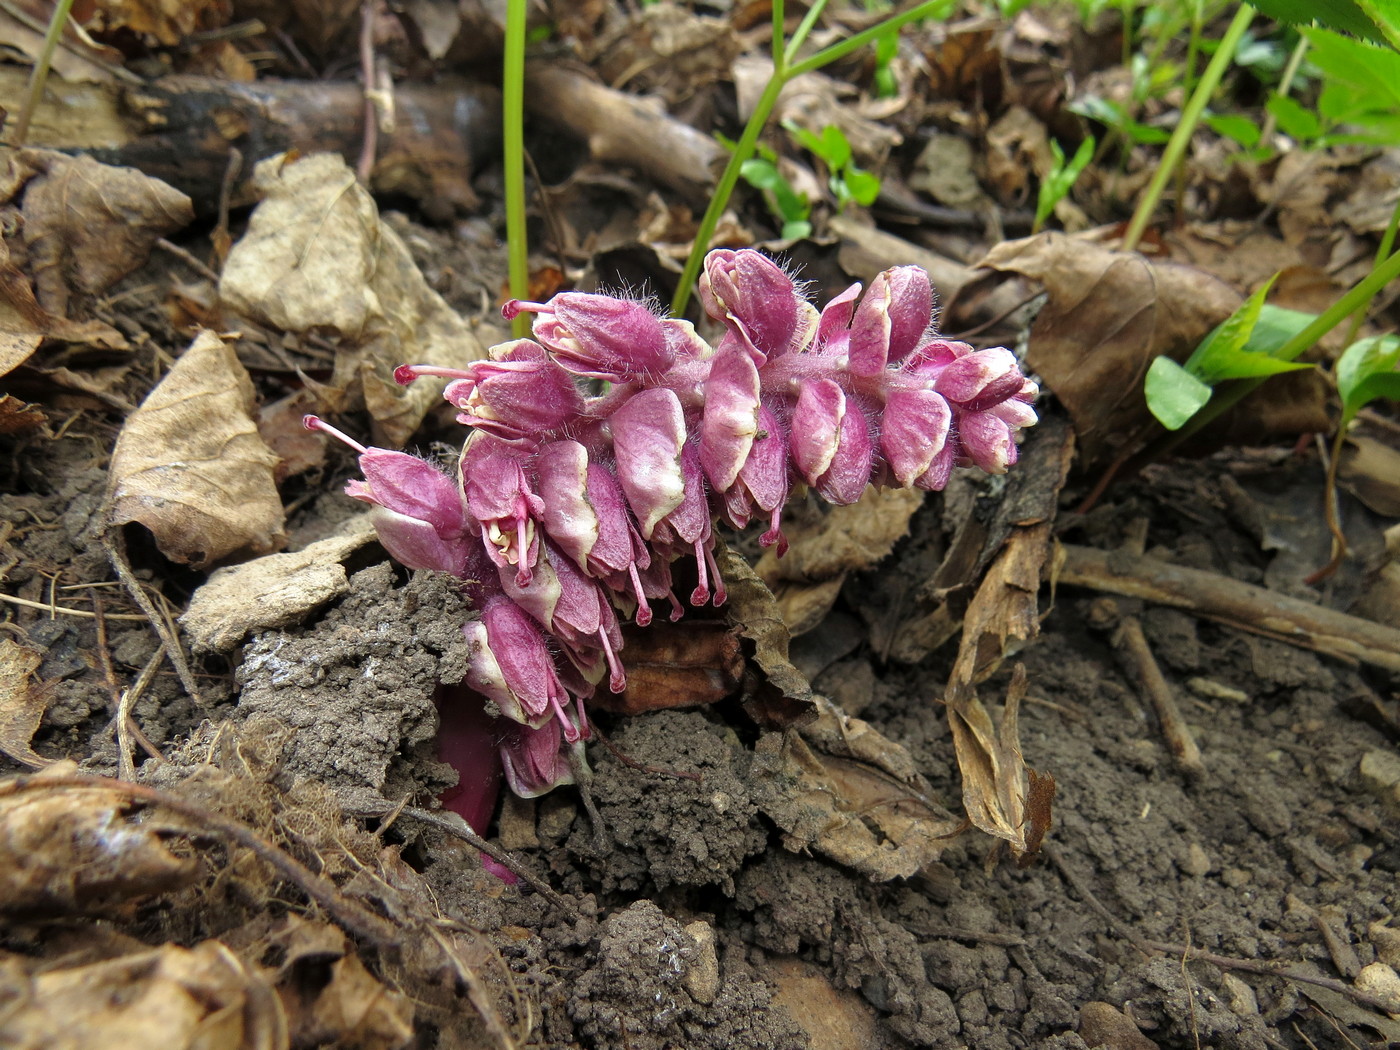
column 1382, row 253
column 1186, row 127
column 1193, row 49
column 784, row 69
column 827, row 55
column 513, row 145
column 40, row 73
column 1285, row 84
column 1224, row 400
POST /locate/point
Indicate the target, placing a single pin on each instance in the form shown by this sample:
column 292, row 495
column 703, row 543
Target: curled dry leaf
column 807, row 579
column 836, row 785
column 274, row 591
column 21, row 704
column 17, row 416
column 66, row 852
column 87, row 225
column 316, row 256
column 677, row 665
column 190, row 466
column 204, row 998
column 1108, row 315
column 24, row 324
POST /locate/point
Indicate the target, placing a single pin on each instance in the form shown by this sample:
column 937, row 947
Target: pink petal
column 913, row 431
column 731, row 416
column 648, row 433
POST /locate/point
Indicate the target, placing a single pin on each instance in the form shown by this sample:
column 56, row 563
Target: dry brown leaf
column 190, row 466
column 87, row 225
column 779, row 696
column 677, row 665
column 350, row 1009
column 316, row 256
column 21, row 704
column 64, row 852
column 807, row 579
column 274, row 591
column 24, row 324
column 1371, row 471
column 1002, row 613
column 164, row 22
column 174, row 998
column 17, row 416
column 1108, row 315
column 843, row 789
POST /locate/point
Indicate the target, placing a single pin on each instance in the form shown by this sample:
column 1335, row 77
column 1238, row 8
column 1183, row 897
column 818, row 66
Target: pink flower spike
column 406, row 374
column 648, row 433
column 730, row 419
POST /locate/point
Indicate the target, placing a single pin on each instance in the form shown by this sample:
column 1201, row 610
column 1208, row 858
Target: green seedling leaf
column 1114, row 116
column 886, row 47
column 1294, row 120
column 862, row 186
column 1236, row 128
column 785, row 202
column 1061, row 178
column 1174, row 395
column 1349, row 16
column 1227, row 353
column 1367, row 371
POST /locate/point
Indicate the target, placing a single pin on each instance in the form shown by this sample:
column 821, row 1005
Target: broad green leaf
column 1386, row 15
column 795, row 231
column 1243, row 346
column 1371, row 73
column 1294, row 119
column 838, row 149
column 1350, row 16
column 1174, row 395
column 1367, row 371
column 1235, row 127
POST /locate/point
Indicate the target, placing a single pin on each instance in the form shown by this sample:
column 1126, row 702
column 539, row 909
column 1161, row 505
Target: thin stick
column 127, row 729
column 1133, row 642
column 115, row 544
column 1208, row 594
column 369, row 146
column 188, row 259
column 14, row 599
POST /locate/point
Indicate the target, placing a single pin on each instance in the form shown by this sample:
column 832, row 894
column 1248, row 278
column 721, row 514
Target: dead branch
column 1219, row 597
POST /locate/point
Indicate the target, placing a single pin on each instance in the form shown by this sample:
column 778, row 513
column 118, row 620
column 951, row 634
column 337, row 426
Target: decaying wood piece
column 182, row 130
column 1243, row 604
column 626, row 129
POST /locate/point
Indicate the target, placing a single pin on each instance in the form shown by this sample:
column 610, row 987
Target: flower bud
column 599, row 336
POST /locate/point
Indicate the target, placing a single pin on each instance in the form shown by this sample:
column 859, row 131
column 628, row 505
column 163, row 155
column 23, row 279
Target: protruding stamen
column 701, row 594
column 643, row 609
column 775, row 533
column 721, row 595
column 515, row 307
column 617, row 677
column 317, row 423
column 566, row 724
column 405, row 374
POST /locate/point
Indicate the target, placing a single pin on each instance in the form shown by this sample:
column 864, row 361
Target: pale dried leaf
column 87, row 225
column 1108, row 315
column 1001, row 615
column 190, row 466
column 274, row 591
column 21, row 704
column 316, row 256
column 174, row 998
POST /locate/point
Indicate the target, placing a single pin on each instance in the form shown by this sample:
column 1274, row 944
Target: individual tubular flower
column 758, row 302
column 500, row 498
column 599, row 336
column 418, row 514
column 515, row 396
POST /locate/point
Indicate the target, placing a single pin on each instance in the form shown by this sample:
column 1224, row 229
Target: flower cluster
column 569, row 507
